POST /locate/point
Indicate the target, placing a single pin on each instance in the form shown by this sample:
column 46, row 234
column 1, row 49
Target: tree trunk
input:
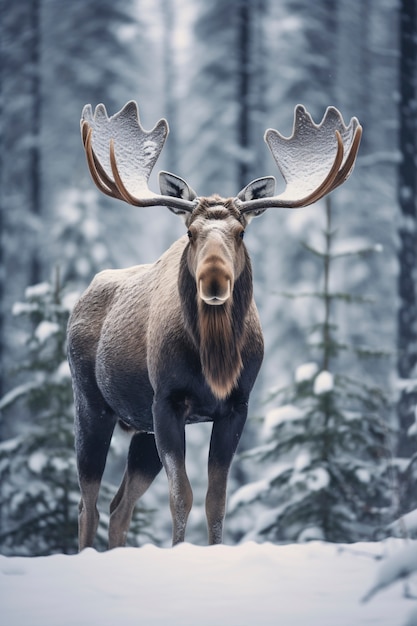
column 35, row 155
column 243, row 97
column 407, row 234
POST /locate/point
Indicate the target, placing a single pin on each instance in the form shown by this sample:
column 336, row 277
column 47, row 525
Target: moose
column 159, row 346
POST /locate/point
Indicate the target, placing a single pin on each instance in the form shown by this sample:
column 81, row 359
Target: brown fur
column 218, row 330
column 219, row 348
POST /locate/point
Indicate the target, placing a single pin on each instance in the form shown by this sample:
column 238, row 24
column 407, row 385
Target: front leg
column 169, row 427
column 225, row 437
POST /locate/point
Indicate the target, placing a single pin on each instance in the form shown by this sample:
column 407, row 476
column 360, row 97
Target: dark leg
column 170, row 441
column 225, row 437
column 143, row 465
column 93, row 433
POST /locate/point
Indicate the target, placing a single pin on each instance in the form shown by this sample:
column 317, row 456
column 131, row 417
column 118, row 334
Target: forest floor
column 313, row 584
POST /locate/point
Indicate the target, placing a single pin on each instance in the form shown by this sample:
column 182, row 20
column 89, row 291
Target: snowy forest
column 330, row 449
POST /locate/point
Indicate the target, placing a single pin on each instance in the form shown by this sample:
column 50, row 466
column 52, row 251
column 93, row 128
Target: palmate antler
column 121, row 155
column 313, row 161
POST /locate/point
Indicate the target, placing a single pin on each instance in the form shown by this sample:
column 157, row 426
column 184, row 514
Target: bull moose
column 179, row 341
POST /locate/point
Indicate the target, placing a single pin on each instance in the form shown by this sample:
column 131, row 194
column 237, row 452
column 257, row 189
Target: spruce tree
column 39, row 491
column 326, row 444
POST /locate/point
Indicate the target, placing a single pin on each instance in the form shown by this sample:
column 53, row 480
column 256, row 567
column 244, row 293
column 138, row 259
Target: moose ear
column 172, row 185
column 176, row 187
column 259, row 188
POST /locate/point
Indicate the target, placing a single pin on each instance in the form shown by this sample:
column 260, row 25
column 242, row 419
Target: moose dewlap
column 179, row 341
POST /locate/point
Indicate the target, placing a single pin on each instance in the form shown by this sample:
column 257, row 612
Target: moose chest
column 130, row 376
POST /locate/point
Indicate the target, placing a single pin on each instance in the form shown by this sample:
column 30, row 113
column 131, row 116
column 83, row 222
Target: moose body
column 137, row 340
column 176, row 342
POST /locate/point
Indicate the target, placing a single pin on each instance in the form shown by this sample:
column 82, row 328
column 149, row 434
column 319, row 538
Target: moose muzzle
column 214, row 282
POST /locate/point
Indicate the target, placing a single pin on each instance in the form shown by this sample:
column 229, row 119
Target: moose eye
column 189, row 234
column 242, row 234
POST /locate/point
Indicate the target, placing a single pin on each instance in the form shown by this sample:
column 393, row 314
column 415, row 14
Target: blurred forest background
column 330, row 447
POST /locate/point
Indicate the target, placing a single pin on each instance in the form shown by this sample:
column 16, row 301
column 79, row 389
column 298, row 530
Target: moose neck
column 217, row 331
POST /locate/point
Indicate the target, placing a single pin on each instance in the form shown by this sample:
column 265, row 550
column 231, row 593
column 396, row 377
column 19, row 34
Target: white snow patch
column 37, row 291
column 323, row 383
column 412, row 431
column 312, row 533
column 314, row 584
column 14, row 394
column 91, row 229
column 305, row 372
column 37, row 462
column 248, row 493
column 303, row 460
column 355, row 246
column 10, row 445
column 274, row 417
column 63, row 372
column 314, row 480
column 45, row 330
column 398, row 565
column 318, row 479
column 405, row 524
column 407, row 385
column 363, row 475
column 70, row 299
column 21, row 308
column 60, row 464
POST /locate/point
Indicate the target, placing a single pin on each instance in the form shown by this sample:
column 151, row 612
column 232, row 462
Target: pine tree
column 39, row 491
column 38, row 476
column 327, row 443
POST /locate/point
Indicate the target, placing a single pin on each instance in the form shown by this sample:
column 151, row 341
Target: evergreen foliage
column 326, row 444
column 38, row 479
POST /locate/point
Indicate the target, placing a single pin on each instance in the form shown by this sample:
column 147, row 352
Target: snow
column 363, row 475
column 318, row 479
column 248, row 493
column 302, row 460
column 405, row 525
column 70, row 299
column 45, row 330
column 354, row 246
column 314, row 584
column 21, row 308
column 287, row 412
column 412, row 431
column 315, row 479
column 323, row 383
column 37, row 291
column 17, row 392
column 399, row 565
column 37, row 462
column 305, row 372
column 63, row 372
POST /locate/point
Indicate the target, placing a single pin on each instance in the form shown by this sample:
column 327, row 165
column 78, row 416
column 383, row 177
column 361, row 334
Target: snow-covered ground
column 313, row 584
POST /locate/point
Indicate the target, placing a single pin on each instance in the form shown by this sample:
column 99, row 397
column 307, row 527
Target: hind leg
column 143, row 465
column 93, row 432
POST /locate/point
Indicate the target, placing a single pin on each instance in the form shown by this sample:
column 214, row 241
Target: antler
column 121, row 155
column 313, row 161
